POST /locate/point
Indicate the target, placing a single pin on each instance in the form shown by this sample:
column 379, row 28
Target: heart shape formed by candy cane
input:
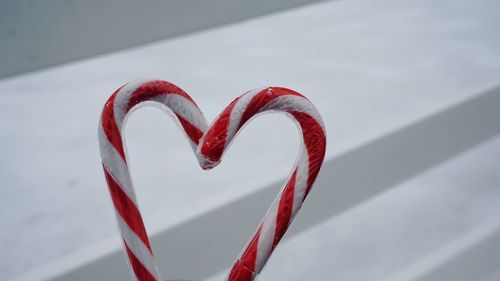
column 209, row 144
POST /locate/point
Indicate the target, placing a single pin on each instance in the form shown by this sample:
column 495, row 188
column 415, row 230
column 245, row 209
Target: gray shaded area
column 470, row 257
column 344, row 182
column 494, row 276
column 36, row 34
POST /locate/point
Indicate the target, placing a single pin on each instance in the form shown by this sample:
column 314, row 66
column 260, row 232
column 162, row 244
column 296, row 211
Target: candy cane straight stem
column 135, row 239
column 286, row 205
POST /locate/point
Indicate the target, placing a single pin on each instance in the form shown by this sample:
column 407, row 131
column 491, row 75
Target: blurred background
column 409, row 92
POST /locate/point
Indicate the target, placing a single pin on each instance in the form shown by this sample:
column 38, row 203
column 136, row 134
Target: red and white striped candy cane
column 114, row 161
column 286, row 205
column 209, row 151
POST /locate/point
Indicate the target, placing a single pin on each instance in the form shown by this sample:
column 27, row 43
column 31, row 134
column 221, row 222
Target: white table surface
column 369, row 67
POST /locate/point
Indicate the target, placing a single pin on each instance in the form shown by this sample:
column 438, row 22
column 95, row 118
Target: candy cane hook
column 286, row 205
column 135, row 239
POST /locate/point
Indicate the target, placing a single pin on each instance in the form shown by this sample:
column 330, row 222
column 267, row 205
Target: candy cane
column 286, row 205
column 210, row 147
column 135, row 239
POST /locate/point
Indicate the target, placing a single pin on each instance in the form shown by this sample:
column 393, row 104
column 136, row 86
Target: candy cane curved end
column 223, row 130
column 121, row 102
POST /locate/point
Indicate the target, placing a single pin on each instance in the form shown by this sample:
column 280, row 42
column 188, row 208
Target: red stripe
column 315, row 142
column 110, row 127
column 284, row 209
column 127, row 209
column 149, row 90
column 240, row 272
column 249, row 257
column 193, row 133
column 140, row 271
column 215, row 138
column 262, row 99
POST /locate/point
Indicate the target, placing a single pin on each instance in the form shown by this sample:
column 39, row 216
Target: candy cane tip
column 206, row 163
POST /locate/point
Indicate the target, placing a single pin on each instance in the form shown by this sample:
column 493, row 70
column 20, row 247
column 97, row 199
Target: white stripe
column 138, row 248
column 295, row 103
column 184, row 108
column 237, row 112
column 115, row 164
column 301, row 178
column 121, row 101
column 266, row 238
